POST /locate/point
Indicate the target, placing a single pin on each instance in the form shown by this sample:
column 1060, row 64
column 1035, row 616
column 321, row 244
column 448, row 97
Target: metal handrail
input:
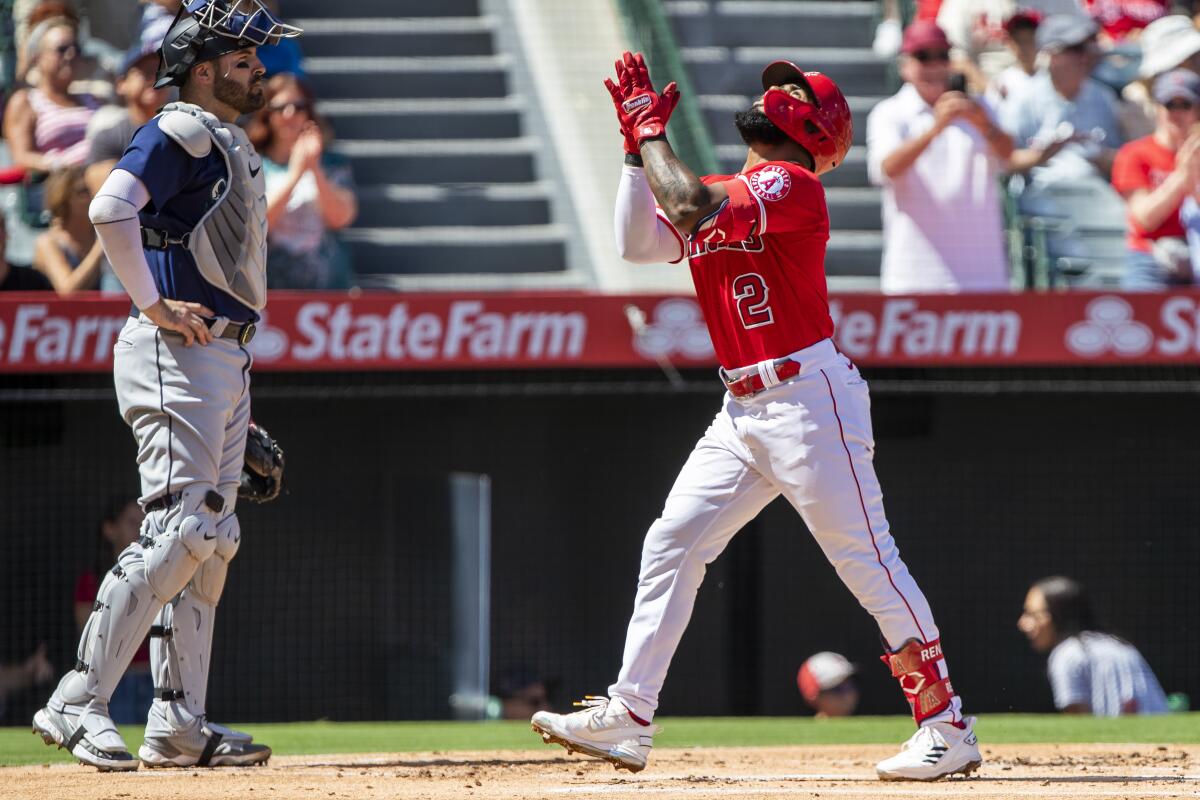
column 648, row 30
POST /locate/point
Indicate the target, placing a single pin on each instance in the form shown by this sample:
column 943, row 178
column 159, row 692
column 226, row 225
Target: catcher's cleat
column 603, row 729
column 200, row 744
column 86, row 732
column 935, row 751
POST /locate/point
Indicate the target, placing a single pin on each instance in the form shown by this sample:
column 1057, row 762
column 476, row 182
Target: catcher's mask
column 823, row 127
column 208, row 29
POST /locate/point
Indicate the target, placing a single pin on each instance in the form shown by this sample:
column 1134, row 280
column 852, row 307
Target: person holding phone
column 938, row 154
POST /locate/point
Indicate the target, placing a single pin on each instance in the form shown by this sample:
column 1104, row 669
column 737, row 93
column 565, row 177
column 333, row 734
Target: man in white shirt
column 938, row 155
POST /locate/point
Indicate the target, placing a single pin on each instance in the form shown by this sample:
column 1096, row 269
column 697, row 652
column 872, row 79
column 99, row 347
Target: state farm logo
column 1109, row 326
column 771, row 183
column 676, row 328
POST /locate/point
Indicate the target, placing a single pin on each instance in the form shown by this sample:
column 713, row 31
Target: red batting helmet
column 823, row 127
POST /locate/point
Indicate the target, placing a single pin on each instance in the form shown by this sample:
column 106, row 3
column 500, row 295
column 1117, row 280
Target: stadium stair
column 726, row 43
column 419, row 98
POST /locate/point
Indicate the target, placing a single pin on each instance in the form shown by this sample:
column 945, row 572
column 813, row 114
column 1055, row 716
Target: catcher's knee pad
column 188, row 539
column 124, row 609
column 920, row 668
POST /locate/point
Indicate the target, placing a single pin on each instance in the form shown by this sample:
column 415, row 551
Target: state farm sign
column 326, row 331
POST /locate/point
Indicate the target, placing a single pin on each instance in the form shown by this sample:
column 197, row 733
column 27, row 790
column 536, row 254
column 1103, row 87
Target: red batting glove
column 642, row 112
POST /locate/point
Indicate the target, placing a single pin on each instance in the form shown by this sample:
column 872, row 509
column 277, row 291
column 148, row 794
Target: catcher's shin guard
column 181, row 640
column 920, row 668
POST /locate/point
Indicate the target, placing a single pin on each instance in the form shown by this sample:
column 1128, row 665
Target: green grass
column 19, row 746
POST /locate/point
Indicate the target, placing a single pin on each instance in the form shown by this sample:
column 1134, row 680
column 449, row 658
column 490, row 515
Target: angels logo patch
column 771, row 183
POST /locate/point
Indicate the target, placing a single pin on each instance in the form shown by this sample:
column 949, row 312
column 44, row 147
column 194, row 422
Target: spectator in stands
column 44, row 126
column 283, row 56
column 119, row 527
column 938, row 155
column 1169, row 43
column 310, row 191
column 522, row 693
column 18, row 279
column 1121, row 19
column 1020, row 31
column 112, row 127
column 157, row 17
column 69, row 253
column 976, row 30
column 1154, row 174
column 1090, row 671
column 826, row 682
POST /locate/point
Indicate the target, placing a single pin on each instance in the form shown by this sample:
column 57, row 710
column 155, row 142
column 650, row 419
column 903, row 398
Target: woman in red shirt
column 1154, row 174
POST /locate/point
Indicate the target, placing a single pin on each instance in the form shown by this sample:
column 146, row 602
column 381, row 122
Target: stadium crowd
column 1045, row 131
column 1057, row 134
column 77, row 86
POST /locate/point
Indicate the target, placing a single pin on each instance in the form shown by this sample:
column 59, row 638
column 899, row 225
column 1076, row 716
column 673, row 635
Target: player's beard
column 245, row 99
column 755, row 126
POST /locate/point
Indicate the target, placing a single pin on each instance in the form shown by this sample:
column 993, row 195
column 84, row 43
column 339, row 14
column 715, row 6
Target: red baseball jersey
column 758, row 263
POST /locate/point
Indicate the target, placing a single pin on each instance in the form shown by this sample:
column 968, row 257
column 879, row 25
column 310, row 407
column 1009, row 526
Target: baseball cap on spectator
column 924, row 34
column 1060, row 31
column 1023, row 17
column 136, row 52
column 821, row 672
column 1175, row 85
column 1166, row 43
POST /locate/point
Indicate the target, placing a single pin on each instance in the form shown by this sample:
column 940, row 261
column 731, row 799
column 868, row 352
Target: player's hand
column 641, row 111
column 186, row 319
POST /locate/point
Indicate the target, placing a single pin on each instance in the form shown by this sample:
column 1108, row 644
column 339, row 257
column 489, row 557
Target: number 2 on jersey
column 751, row 292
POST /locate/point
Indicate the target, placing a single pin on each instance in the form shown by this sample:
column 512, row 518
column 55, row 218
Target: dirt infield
column 843, row 772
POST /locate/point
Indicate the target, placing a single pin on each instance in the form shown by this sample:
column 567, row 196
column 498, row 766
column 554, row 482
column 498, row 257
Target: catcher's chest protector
column 229, row 243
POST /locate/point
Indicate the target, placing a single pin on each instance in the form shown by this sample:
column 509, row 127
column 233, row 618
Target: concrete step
column 379, row 8
column 852, row 208
column 422, row 76
column 773, row 23
column 399, row 251
column 852, row 173
column 425, row 118
column 854, row 253
column 429, row 205
column 719, row 111
column 738, row 70
column 387, row 36
column 444, row 161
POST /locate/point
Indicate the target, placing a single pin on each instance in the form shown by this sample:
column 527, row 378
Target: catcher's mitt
column 262, row 474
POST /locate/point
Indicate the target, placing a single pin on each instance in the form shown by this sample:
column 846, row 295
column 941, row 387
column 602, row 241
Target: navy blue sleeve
column 158, row 160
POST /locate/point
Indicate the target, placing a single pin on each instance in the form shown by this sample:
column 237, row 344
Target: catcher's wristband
column 633, row 160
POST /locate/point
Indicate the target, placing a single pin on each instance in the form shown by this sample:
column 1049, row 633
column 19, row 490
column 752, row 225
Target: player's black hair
column 755, row 127
column 1069, row 606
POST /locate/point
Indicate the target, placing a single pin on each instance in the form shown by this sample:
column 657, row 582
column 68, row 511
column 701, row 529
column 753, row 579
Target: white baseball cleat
column 933, row 752
column 602, row 729
column 87, row 733
column 175, row 738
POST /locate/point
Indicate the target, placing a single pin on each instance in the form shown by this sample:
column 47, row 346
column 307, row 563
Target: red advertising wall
column 326, row 331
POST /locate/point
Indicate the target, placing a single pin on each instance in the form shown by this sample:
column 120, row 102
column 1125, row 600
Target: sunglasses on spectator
column 926, row 56
column 1078, row 49
column 1179, row 105
column 297, row 106
column 67, row 48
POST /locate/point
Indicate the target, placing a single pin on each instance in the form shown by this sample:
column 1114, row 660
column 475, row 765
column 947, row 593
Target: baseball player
column 182, row 218
column 795, row 418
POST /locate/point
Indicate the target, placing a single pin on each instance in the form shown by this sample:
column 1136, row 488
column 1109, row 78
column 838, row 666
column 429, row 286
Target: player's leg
column 148, row 573
column 836, row 491
column 178, row 733
column 177, row 536
column 717, row 492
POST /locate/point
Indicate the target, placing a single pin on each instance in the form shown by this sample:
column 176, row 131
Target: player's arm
column 643, row 235
column 682, row 196
column 114, row 213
